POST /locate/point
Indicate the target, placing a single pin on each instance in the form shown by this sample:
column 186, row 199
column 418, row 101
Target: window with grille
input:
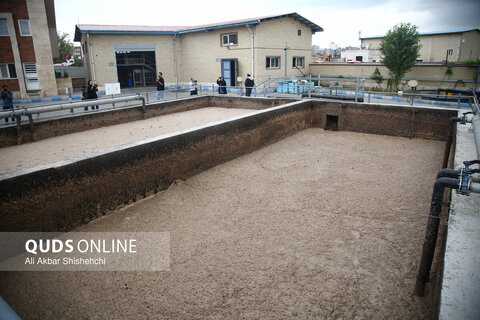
column 273, row 62
column 230, row 39
column 298, row 62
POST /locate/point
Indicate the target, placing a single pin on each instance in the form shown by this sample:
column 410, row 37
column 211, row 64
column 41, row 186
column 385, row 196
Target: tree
column 65, row 47
column 400, row 49
column 377, row 76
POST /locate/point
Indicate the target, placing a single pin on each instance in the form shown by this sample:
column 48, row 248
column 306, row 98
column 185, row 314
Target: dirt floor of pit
column 321, row 225
column 81, row 143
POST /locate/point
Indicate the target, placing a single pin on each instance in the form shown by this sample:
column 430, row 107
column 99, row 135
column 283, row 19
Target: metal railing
column 28, row 111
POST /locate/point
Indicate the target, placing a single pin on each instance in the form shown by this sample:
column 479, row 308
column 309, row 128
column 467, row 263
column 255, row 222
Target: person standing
column 193, row 87
column 222, row 86
column 7, row 98
column 92, row 92
column 160, row 86
column 249, row 83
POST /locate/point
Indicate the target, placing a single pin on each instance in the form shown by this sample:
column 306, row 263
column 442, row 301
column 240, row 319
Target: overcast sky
column 341, row 19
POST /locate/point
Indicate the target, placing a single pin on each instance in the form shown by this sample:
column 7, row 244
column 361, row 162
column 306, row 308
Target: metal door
column 227, row 71
column 230, row 71
column 137, row 77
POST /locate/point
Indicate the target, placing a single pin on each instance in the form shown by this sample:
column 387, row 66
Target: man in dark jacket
column 92, row 92
column 222, row 86
column 249, row 83
column 160, row 86
column 7, row 98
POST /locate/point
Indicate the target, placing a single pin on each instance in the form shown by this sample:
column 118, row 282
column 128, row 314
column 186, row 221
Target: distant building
column 360, row 55
column 279, row 45
column 454, row 46
column 28, row 43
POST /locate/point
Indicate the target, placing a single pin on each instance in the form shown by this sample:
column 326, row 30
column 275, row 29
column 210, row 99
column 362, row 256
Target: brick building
column 27, row 43
column 279, row 45
column 453, row 46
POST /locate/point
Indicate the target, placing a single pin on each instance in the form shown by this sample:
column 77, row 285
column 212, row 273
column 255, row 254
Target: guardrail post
column 19, row 129
column 32, row 127
column 356, row 91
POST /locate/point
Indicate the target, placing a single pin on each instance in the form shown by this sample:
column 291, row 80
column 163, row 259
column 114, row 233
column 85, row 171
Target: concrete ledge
column 62, row 196
column 44, row 129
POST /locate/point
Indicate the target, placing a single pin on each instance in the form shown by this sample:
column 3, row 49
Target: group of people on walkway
column 222, row 86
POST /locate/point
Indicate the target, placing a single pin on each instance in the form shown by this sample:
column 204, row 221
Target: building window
column 230, row 39
column 299, row 62
column 3, row 27
column 24, row 27
column 273, row 62
column 7, row 71
column 299, row 32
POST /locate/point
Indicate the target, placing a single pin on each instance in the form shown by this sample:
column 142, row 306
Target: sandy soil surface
column 321, row 225
column 81, row 143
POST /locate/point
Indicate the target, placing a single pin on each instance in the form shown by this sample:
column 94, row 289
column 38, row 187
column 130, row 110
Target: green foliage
column 449, row 71
column 459, row 82
column 475, row 61
column 65, row 74
column 65, row 47
column 377, row 76
column 400, row 49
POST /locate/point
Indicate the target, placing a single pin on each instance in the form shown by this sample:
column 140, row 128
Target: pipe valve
column 464, row 185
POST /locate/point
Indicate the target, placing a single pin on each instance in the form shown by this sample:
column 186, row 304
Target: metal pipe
column 6, row 312
column 476, row 133
column 475, row 187
column 253, row 52
column 449, row 140
column 175, row 59
column 432, row 232
column 66, row 106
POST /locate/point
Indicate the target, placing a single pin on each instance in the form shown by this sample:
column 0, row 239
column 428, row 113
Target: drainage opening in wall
column 332, row 123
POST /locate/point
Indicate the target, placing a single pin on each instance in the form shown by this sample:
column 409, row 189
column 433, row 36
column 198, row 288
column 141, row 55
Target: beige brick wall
column 434, row 47
column 433, row 72
column 199, row 54
column 470, row 48
column 201, row 50
column 102, row 48
column 270, row 40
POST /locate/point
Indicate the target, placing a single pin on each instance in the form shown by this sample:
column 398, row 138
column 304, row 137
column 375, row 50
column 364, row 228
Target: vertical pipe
column 252, row 48
column 431, row 234
column 92, row 62
column 175, row 58
column 356, row 91
column 476, row 133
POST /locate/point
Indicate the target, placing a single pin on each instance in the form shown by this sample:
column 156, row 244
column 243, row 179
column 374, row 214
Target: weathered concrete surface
column 61, row 197
column 410, row 122
column 78, row 122
column 77, row 144
column 320, row 225
column 460, row 293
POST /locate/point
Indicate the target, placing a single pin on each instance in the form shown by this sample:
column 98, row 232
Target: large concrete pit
column 297, row 222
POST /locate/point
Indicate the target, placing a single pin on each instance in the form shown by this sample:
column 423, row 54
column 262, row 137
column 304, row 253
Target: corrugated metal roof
column 428, row 33
column 126, row 29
